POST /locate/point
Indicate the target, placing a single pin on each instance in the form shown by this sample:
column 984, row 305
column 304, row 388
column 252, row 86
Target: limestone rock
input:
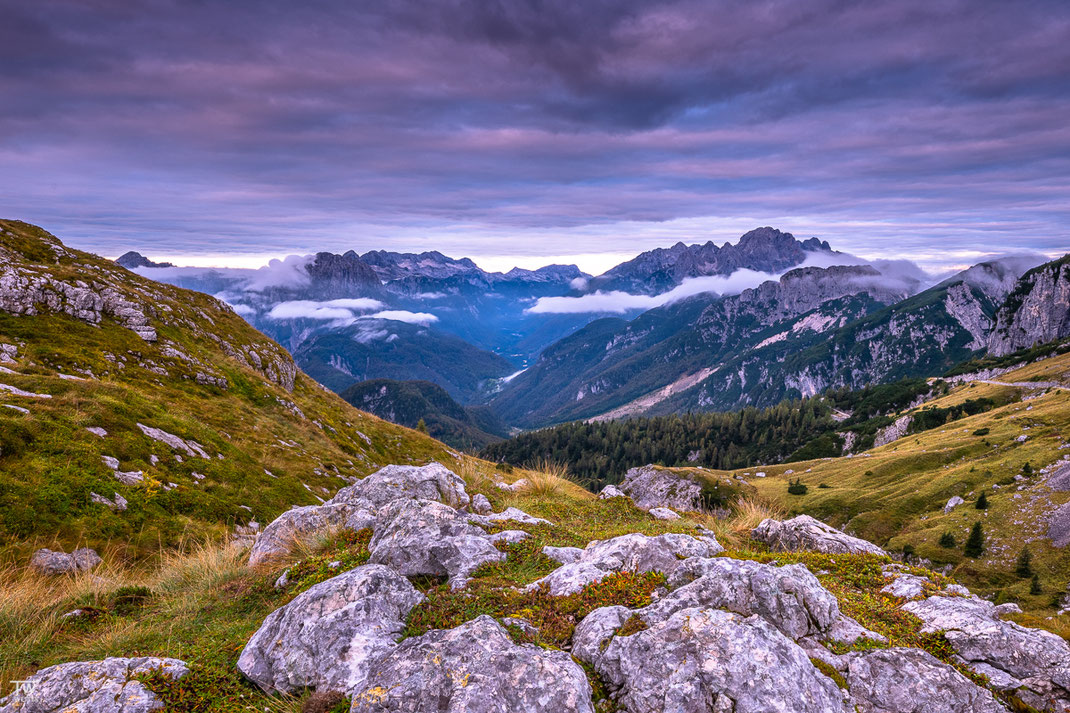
column 1039, row 659
column 301, row 525
column 47, row 562
column 107, row 686
column 805, row 533
column 664, row 514
column 706, row 661
column 628, row 553
column 913, row 681
column 788, row 597
column 651, row 487
column 426, row 537
column 480, row 505
column 953, row 503
column 611, row 491
column 330, row 636
column 396, row 482
column 474, row 668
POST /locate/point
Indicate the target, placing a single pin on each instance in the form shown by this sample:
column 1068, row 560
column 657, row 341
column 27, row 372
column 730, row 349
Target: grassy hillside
column 273, row 437
column 894, row 495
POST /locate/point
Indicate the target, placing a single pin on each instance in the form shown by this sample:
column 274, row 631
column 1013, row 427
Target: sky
column 529, row 132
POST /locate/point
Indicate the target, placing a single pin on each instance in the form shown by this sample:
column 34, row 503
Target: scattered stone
column 564, row 555
column 805, row 533
column 118, row 503
column 47, row 562
column 473, row 668
column 19, row 392
column 518, row 485
column 611, row 491
column 509, row 536
column 480, row 504
column 331, row 636
column 514, row 514
column 190, row 448
column 97, row 431
column 111, row 462
column 396, row 482
column 953, row 503
column 17, row 408
column 108, row 686
column 663, row 514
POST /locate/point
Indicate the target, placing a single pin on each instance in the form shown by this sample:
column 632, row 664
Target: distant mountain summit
column 132, row 259
column 655, row 271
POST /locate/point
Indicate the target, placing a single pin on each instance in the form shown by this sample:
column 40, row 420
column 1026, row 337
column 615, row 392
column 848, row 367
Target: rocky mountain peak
column 132, row 259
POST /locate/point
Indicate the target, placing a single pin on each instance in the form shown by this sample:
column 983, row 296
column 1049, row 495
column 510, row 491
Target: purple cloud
column 486, row 128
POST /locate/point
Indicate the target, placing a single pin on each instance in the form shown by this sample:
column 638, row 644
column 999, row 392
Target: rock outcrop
column 806, row 533
column 628, row 553
column 108, row 686
column 475, row 668
column 912, row 681
column 1033, row 662
column 704, row 660
column 330, row 636
column 49, row 563
column 653, row 487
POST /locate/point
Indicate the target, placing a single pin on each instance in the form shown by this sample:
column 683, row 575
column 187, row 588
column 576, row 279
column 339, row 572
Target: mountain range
column 688, row 328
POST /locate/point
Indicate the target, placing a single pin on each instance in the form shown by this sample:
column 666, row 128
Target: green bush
column 947, row 540
column 797, row 487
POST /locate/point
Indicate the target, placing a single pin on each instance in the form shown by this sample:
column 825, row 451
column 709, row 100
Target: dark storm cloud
column 282, row 126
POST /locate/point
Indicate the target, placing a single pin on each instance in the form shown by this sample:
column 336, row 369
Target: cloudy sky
column 526, row 132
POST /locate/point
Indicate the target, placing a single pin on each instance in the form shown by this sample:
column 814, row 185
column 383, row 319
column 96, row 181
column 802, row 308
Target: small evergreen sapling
column 947, row 540
column 1034, row 586
column 982, row 502
column 975, row 543
column 1024, row 567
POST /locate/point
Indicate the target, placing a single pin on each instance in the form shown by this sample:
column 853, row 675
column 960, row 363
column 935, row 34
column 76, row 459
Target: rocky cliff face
column 1037, row 311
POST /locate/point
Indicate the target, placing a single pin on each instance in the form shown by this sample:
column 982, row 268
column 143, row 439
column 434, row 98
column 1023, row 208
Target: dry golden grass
column 733, row 532
column 546, row 477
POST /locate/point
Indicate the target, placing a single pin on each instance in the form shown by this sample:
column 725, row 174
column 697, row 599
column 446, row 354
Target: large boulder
column 704, row 661
column 1035, row 662
column 474, row 668
column 406, row 482
column 788, row 597
column 108, row 686
column 303, row 524
column 425, row 537
column 652, row 487
column 806, row 533
column 330, row 636
column 628, row 553
column 50, row 563
column 357, row 506
column 912, row 681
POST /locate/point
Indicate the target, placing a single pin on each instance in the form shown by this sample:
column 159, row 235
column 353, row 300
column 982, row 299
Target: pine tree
column 947, row 540
column 975, row 543
column 1024, row 568
column 1027, row 469
column 1034, row 586
column 421, row 426
column 982, row 502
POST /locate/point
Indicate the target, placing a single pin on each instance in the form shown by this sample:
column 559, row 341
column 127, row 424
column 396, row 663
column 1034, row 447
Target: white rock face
column 1037, row 660
column 789, row 597
column 806, row 533
column 357, row 506
column 331, row 636
column 893, row 432
column 426, row 537
column 705, row 661
column 611, row 491
column 628, row 553
column 651, row 487
column 475, row 668
column 47, row 562
column 1042, row 315
column 107, row 686
column 912, row 680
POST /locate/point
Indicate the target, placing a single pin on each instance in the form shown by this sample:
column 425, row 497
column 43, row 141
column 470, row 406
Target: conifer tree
column 975, row 543
column 982, row 502
column 1024, row 568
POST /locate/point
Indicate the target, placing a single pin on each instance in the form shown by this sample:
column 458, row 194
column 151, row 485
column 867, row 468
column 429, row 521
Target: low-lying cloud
column 340, row 309
column 617, row 302
column 401, row 315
